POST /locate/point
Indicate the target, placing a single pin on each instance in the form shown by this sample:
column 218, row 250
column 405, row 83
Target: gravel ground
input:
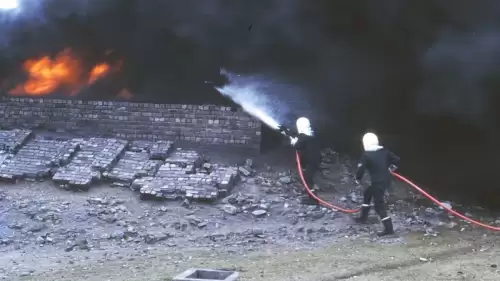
column 452, row 257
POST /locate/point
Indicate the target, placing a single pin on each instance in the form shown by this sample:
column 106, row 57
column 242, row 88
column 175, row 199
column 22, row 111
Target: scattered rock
column 186, row 203
column 244, row 171
column 131, row 231
column 16, row 225
column 37, row 227
column 259, row 213
column 80, row 243
column 285, row 180
column 107, row 218
column 155, row 237
column 230, row 209
column 97, row 201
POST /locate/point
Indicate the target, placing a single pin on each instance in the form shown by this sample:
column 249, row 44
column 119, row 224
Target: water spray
column 9, row 4
column 250, row 93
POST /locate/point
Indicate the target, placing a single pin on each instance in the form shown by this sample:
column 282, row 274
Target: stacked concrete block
column 191, row 186
column 96, row 155
column 184, row 175
column 226, row 178
column 131, row 166
column 157, row 188
column 160, row 150
column 11, row 141
column 5, row 157
column 167, row 170
column 140, row 146
column 38, row 158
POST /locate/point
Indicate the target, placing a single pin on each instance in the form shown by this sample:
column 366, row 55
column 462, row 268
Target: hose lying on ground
column 399, row 177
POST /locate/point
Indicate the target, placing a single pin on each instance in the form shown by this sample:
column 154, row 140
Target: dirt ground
column 473, row 256
column 110, row 234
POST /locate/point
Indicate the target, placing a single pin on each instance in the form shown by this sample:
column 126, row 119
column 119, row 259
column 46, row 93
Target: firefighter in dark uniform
column 310, row 154
column 379, row 162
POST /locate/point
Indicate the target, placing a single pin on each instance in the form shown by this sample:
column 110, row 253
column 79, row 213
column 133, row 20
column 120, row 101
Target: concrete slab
column 197, row 274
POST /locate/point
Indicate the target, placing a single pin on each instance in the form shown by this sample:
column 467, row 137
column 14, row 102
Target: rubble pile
column 11, row 141
column 96, row 155
column 185, row 174
column 38, row 158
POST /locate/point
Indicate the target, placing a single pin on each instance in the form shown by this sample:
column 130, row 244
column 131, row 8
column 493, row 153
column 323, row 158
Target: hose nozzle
column 285, row 131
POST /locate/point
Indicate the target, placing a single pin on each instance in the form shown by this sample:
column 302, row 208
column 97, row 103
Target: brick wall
column 199, row 124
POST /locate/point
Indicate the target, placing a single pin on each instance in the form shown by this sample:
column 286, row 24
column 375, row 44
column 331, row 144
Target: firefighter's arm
column 393, row 160
column 361, row 169
column 297, row 142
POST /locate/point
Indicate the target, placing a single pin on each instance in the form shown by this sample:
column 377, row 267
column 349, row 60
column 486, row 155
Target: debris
column 244, row 171
column 259, row 213
column 285, row 180
column 230, row 209
column 446, row 204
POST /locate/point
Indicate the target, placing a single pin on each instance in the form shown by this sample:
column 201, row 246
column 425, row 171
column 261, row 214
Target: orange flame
column 98, row 72
column 125, row 94
column 64, row 72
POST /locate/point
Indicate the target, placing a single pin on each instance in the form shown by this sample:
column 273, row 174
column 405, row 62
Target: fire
column 63, row 73
column 98, row 71
column 125, row 94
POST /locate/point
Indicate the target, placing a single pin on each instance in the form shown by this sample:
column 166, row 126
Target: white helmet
column 304, row 126
column 370, row 142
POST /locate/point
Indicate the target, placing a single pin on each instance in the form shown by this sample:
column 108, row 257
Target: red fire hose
column 324, row 203
column 399, row 177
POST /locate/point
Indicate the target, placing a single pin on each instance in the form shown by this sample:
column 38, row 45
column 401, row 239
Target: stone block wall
column 198, row 124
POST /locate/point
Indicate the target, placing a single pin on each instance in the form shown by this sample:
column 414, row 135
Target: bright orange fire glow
column 98, row 71
column 63, row 73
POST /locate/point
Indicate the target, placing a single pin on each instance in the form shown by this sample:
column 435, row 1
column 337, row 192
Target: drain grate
column 195, row 274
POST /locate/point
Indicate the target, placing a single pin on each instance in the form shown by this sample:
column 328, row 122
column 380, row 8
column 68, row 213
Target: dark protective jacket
column 377, row 163
column 309, row 150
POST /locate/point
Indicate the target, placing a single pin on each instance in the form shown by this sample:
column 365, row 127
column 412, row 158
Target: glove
column 392, row 168
column 284, row 131
column 293, row 141
column 356, row 182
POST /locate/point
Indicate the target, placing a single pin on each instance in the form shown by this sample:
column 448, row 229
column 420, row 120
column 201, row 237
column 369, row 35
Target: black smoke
column 422, row 74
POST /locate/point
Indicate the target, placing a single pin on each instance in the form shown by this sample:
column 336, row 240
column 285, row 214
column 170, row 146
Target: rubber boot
column 308, row 199
column 388, row 228
column 364, row 215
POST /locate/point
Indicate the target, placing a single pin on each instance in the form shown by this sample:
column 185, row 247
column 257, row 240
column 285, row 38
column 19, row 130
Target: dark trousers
column 309, row 170
column 375, row 192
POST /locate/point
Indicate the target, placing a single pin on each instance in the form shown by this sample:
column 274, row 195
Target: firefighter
column 310, row 154
column 379, row 162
